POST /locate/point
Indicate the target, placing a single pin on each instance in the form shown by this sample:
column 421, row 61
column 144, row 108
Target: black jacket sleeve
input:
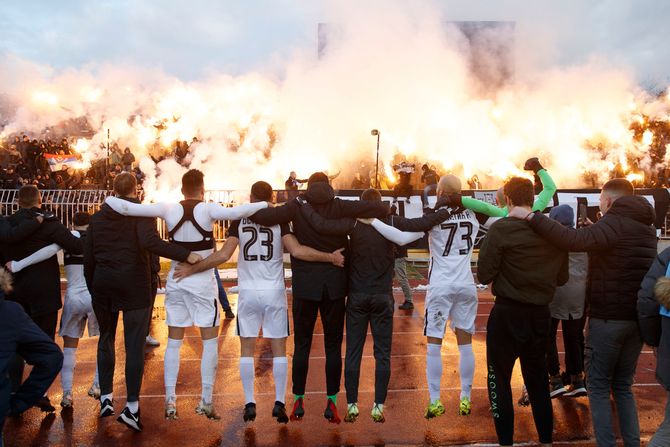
column 89, row 259
column 648, row 307
column 275, row 215
column 38, row 350
column 602, row 235
column 424, row 223
column 148, row 238
column 10, row 235
column 490, row 255
column 67, row 241
column 333, row 227
column 361, row 208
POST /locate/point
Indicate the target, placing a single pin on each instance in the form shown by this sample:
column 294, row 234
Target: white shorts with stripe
column 196, row 307
column 266, row 309
column 77, row 312
column 456, row 303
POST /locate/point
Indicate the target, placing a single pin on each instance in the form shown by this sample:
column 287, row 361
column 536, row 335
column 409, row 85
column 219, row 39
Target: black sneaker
column 279, row 412
column 298, row 410
column 229, row 314
column 407, row 305
column 577, row 388
column 249, row 412
column 130, row 419
column 44, row 404
column 331, row 412
column 106, row 408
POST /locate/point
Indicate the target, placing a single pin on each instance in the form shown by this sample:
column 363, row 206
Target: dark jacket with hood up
column 117, row 262
column 313, row 280
column 621, row 247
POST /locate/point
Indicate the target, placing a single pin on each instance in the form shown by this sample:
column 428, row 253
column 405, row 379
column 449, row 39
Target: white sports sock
column 67, row 371
column 280, row 374
column 105, row 397
column 467, row 369
column 96, row 378
column 208, row 365
column 133, row 406
column 247, row 376
column 171, row 367
column 434, row 370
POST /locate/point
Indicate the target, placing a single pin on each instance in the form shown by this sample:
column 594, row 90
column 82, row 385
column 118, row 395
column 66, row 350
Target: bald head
column 448, row 184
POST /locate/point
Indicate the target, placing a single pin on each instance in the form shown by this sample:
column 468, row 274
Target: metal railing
column 65, row 203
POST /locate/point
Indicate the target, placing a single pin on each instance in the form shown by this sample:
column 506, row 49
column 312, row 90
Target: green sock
column 333, row 398
column 299, row 396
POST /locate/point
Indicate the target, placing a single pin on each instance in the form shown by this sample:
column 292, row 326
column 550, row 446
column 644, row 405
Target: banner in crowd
column 60, row 162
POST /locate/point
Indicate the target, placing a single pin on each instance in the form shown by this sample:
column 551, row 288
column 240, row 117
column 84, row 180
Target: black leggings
column 573, row 343
column 304, row 319
column 516, row 330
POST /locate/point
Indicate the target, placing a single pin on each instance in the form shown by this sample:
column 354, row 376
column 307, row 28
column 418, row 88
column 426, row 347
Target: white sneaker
column 152, row 341
column 171, row 410
column 208, row 410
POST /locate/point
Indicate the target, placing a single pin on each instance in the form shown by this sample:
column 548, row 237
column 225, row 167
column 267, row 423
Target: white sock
column 105, row 397
column 247, row 376
column 67, row 371
column 434, row 370
column 96, row 378
column 208, row 365
column 467, row 369
column 171, row 367
column 280, row 374
column 133, row 406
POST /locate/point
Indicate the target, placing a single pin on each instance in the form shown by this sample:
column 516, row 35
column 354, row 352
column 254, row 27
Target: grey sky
column 192, row 38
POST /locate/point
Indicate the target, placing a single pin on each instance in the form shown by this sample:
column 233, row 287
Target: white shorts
column 77, row 311
column 456, row 303
column 197, row 307
column 262, row 308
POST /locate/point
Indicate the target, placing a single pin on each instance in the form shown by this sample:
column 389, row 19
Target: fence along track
column 65, row 203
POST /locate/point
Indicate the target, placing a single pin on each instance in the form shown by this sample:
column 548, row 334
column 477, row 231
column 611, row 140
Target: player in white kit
column 193, row 301
column 262, row 302
column 77, row 308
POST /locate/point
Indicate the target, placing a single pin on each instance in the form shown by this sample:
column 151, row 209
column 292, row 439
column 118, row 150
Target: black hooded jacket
column 117, row 259
column 312, row 279
column 621, row 247
column 37, row 287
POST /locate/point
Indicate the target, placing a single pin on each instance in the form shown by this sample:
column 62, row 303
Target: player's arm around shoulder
column 126, row 208
column 490, row 255
column 305, row 253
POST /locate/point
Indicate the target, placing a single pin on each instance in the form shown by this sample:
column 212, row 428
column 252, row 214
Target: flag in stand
column 60, row 162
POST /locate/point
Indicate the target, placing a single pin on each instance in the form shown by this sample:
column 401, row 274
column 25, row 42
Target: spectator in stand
column 430, row 178
column 23, row 147
column 127, row 160
column 359, row 183
column 621, row 248
column 115, row 156
column 292, row 183
column 22, row 170
column 653, row 309
column 11, row 179
column 404, row 172
column 474, row 183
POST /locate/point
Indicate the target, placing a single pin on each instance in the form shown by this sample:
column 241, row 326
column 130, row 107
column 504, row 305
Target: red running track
column 404, row 409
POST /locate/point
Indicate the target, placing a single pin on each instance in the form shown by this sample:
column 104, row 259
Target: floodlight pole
column 373, row 133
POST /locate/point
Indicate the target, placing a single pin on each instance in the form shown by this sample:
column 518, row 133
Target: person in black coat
column 621, row 247
column 318, row 288
column 20, row 335
column 37, row 287
column 117, row 268
column 653, row 308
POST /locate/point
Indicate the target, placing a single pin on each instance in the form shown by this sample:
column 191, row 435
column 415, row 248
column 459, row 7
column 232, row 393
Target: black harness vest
column 207, row 241
column 71, row 259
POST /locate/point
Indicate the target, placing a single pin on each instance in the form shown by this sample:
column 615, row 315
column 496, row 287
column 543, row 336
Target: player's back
column 74, row 269
column 260, row 262
column 451, row 244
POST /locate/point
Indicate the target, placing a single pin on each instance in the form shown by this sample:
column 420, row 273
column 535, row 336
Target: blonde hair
column 662, row 291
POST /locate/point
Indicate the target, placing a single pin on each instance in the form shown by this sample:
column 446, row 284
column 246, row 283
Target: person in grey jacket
column 567, row 308
column 653, row 309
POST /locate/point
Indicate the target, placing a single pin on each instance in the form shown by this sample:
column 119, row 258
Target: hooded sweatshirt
column 621, row 248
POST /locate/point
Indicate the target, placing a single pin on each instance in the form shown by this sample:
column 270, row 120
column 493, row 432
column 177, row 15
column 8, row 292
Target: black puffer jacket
column 312, row 279
column 621, row 247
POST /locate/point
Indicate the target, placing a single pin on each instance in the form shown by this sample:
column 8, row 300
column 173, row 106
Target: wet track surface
column 404, row 408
